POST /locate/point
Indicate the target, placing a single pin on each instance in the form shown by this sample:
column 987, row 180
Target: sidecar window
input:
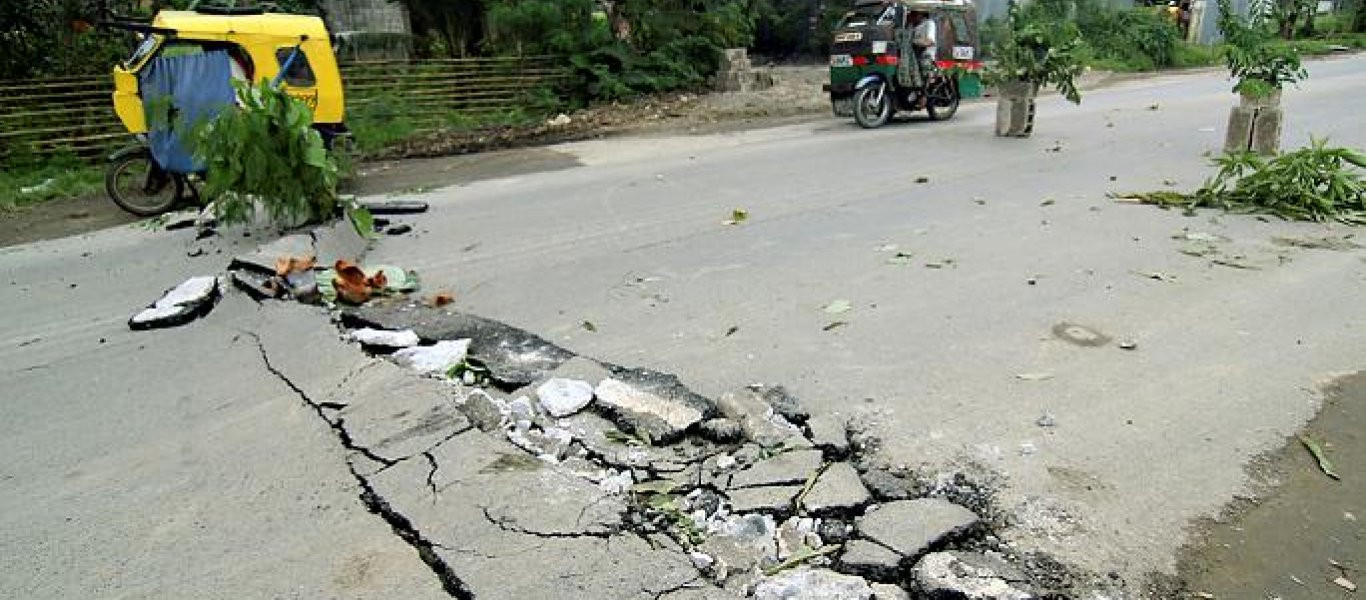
column 300, row 74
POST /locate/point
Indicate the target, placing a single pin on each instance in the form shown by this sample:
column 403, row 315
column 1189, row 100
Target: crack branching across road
column 374, row 502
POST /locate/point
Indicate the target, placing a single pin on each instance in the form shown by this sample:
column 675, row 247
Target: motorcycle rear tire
column 156, row 198
column 943, row 99
column 880, row 114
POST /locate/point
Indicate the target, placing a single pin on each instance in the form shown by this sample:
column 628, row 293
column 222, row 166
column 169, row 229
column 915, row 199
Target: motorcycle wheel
column 873, row 106
column 139, row 186
column 942, row 99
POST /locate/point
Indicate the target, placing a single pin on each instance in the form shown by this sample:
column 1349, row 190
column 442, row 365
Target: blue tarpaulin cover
column 199, row 87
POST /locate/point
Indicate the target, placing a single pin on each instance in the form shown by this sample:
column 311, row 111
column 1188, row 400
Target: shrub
column 266, row 153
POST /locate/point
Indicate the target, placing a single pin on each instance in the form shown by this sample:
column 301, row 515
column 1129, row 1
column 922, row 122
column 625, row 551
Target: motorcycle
column 873, row 63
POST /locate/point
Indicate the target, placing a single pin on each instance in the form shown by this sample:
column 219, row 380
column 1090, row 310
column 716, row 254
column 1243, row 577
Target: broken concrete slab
column 384, row 338
column 513, row 356
column 615, row 449
column 784, row 403
column 773, row 499
column 550, row 444
column 510, row 527
column 870, row 560
column 886, row 485
column 654, row 418
column 837, row 489
column 970, row 576
column 562, row 397
column 812, row 584
column 338, row 240
column 914, row 527
column 758, row 420
column 788, row 468
column 829, row 433
column 721, row 430
column 192, row 299
column 481, row 408
column 395, row 415
column 438, row 358
column 264, row 257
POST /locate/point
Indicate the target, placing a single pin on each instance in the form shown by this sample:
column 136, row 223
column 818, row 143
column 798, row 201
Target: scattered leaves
column 1048, row 202
column 1033, row 376
column 440, row 299
column 922, row 179
column 1156, row 276
column 737, row 217
column 731, row 331
column 834, row 324
column 285, row 265
column 588, row 326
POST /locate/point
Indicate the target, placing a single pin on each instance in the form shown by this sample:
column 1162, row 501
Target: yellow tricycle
column 185, row 65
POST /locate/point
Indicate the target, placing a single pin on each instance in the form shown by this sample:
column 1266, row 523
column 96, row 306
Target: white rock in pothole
column 563, row 397
column 438, row 358
column 179, row 305
column 385, row 338
column 812, row 584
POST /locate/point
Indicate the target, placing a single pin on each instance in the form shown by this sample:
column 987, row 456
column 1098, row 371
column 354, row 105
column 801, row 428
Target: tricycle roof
column 187, row 24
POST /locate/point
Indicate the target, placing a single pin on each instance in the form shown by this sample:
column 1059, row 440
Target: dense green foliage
column 1034, row 48
column 266, row 153
column 1260, row 66
column 1316, row 183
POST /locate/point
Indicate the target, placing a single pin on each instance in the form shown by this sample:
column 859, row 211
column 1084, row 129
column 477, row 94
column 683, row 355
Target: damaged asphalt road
column 254, row 453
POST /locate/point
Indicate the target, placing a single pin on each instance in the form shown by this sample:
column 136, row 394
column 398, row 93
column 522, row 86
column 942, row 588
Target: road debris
column 438, row 358
column 384, row 338
column 1156, row 276
column 834, row 325
column 900, row 258
column 588, row 326
column 179, row 305
column 563, row 397
column 737, row 217
column 836, row 307
column 970, row 575
column 399, row 229
column 1128, row 345
column 1033, row 376
column 1046, row 420
column 922, row 179
column 395, row 207
column 1320, row 456
column 1080, row 335
column 1345, row 584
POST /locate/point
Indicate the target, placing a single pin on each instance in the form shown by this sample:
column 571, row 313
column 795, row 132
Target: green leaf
column 838, row 307
column 1317, row 450
column 362, row 220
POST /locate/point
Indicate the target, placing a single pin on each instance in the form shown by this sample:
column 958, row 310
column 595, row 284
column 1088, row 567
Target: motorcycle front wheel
column 139, row 186
column 873, row 106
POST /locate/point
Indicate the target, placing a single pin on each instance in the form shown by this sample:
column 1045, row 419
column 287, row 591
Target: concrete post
column 1015, row 110
column 1255, row 125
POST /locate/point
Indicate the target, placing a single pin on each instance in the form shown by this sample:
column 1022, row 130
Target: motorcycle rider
column 925, row 44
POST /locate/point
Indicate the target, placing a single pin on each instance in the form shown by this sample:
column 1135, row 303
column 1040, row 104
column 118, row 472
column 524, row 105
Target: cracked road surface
column 209, row 461
column 1141, row 441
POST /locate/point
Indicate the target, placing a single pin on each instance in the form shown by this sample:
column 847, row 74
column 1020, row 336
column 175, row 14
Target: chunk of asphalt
column 970, row 575
column 384, row 338
column 721, row 430
column 871, row 560
column 914, row 527
column 582, row 368
column 812, row 584
column 645, row 414
column 887, row 591
column 829, row 433
column 886, row 486
column 192, row 299
column 395, row 207
column 772, row 499
column 513, row 356
column 739, row 543
column 838, row 489
column 788, row 468
column 785, row 404
column 759, row 422
column 485, row 411
column 438, row 358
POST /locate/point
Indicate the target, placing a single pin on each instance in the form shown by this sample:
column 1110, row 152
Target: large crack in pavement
column 373, row 501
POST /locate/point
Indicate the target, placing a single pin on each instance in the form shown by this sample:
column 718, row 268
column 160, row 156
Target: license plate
column 841, row 60
column 963, row 52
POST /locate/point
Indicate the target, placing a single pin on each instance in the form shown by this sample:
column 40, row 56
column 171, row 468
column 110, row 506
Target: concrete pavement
column 1145, row 441
column 174, row 464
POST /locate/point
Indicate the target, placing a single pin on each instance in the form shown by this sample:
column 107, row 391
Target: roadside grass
column 26, row 184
